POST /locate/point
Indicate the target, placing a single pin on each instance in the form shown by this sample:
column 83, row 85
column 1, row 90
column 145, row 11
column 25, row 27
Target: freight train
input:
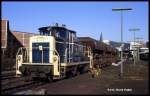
column 57, row 53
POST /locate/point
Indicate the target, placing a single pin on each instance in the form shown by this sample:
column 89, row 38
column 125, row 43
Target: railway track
column 8, row 75
column 11, row 81
column 11, row 86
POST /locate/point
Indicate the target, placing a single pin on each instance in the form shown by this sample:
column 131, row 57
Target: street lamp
column 121, row 10
column 139, row 39
column 134, row 30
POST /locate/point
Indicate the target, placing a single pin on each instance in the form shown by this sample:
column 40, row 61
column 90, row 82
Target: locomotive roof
column 49, row 28
column 52, row 27
column 72, row 31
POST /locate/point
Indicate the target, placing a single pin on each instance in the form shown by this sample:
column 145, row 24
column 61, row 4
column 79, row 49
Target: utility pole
column 134, row 50
column 121, row 10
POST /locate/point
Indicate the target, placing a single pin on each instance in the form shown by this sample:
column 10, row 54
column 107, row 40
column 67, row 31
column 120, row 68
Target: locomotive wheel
column 26, row 75
column 77, row 73
column 49, row 79
column 74, row 73
column 81, row 70
column 69, row 74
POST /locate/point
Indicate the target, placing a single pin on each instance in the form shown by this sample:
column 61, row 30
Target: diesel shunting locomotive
column 57, row 53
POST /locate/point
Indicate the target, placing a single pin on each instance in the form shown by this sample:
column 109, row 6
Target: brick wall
column 23, row 37
column 4, row 30
column 11, row 41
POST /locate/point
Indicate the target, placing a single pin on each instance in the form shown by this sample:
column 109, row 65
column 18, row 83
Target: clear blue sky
column 86, row 18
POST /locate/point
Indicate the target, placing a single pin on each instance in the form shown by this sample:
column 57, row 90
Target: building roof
column 24, row 32
column 86, row 38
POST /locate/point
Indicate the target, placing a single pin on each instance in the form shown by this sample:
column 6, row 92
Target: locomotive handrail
column 18, row 52
column 66, row 55
column 25, row 56
column 91, row 56
column 17, row 56
column 58, row 59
